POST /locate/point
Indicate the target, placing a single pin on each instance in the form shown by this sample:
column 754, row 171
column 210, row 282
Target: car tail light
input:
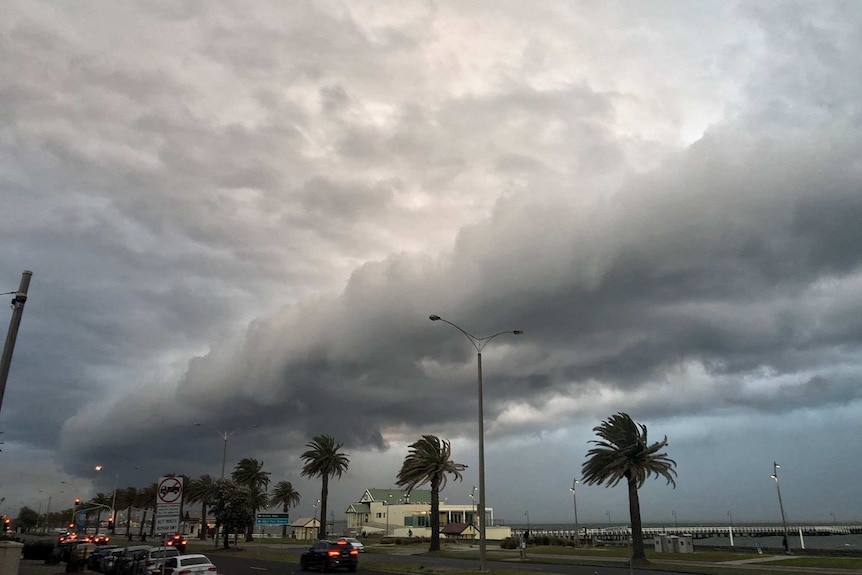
column 211, row 569
column 334, row 553
column 354, row 552
column 184, row 572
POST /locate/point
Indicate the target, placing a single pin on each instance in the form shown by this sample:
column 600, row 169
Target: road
column 249, row 565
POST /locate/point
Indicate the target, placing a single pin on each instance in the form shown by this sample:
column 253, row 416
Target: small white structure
column 673, row 544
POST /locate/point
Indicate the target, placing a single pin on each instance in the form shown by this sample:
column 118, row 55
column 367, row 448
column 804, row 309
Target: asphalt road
column 249, row 565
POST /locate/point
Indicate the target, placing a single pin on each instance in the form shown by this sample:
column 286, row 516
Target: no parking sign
column 169, row 497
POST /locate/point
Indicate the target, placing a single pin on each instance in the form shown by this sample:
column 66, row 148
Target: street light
column 775, row 468
column 575, row 503
column 608, row 513
column 112, row 520
column 387, row 505
column 675, row 523
column 473, row 503
column 224, row 435
column 479, row 343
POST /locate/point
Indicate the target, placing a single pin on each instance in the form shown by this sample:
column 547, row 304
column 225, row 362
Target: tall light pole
column 730, row 515
column 225, row 435
column 775, row 468
column 113, row 518
column 608, row 513
column 675, row 522
column 479, row 343
column 12, row 335
column 575, row 503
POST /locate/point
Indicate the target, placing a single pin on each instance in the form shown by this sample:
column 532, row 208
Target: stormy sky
column 242, row 214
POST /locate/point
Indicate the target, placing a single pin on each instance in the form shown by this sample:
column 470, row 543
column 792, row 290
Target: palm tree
column 625, row 453
column 147, row 499
column 202, row 490
column 249, row 473
column 324, row 460
column 126, row 500
column 102, row 501
column 285, row 495
column 430, row 460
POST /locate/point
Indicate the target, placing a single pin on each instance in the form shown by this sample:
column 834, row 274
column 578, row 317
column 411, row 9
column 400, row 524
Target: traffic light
column 77, row 501
column 111, row 522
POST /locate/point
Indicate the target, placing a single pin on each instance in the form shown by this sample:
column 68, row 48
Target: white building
column 395, row 513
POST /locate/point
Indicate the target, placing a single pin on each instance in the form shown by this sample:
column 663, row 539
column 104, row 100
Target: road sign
column 169, row 524
column 170, row 490
column 273, row 519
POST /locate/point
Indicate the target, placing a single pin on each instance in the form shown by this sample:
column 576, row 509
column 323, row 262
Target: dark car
column 327, row 555
column 94, row 561
column 128, row 561
column 179, row 541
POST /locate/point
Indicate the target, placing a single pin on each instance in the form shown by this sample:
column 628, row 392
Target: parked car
column 94, row 561
column 357, row 544
column 129, row 559
column 109, row 561
column 153, row 559
column 327, row 555
column 192, row 564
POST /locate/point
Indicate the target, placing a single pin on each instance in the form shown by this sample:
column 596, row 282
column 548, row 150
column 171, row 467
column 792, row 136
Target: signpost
column 273, row 519
column 169, row 497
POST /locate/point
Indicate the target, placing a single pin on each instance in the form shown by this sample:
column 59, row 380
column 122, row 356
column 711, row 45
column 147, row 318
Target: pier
column 622, row 533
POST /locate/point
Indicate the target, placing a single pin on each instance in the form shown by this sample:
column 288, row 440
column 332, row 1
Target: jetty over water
column 698, row 531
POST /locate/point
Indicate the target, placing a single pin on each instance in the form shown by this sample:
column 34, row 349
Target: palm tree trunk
column 129, row 522
column 203, row 532
column 284, row 527
column 143, row 521
column 435, row 515
column 638, row 553
column 324, row 493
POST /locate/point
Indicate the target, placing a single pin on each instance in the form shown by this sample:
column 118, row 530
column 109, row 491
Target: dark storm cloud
column 246, row 214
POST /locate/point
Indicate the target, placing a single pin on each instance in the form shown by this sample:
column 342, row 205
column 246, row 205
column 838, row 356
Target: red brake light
column 211, row 568
column 334, row 553
column 184, row 572
column 354, row 552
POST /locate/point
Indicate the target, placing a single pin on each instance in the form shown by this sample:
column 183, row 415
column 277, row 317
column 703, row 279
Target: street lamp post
column 675, row 522
column 479, row 343
column 225, row 435
column 575, row 503
column 775, row 468
column 608, row 513
column 113, row 518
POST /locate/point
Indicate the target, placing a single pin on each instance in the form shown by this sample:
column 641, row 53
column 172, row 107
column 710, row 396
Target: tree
column 102, row 501
column 323, row 459
column 126, row 500
column 232, row 508
column 249, row 473
column 27, row 520
column 285, row 495
column 625, row 453
column 429, row 461
column 147, row 499
column 202, row 490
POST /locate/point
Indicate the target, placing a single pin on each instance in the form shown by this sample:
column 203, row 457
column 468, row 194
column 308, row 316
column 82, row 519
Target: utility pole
column 12, row 334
